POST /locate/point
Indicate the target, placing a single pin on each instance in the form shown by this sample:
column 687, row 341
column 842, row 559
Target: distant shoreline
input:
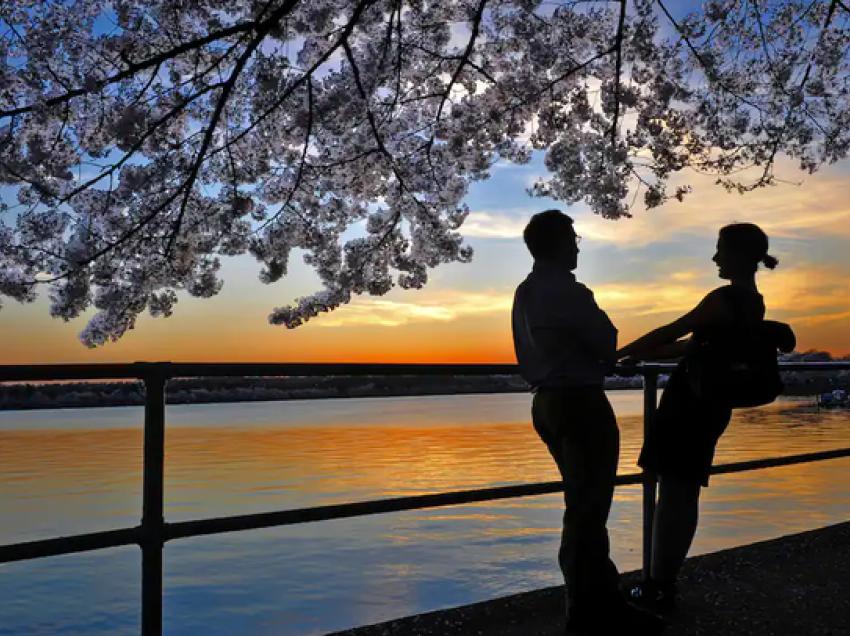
column 207, row 391
column 170, row 401
column 54, row 396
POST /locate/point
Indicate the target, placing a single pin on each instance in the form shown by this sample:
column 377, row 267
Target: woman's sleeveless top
column 744, row 306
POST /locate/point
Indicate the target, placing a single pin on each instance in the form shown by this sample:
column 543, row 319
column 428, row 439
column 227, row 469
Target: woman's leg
column 674, row 527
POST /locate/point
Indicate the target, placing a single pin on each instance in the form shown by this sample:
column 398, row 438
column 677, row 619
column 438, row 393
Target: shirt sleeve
column 571, row 308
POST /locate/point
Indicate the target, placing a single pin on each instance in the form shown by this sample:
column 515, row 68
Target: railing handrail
column 153, row 531
column 175, row 370
column 28, row 550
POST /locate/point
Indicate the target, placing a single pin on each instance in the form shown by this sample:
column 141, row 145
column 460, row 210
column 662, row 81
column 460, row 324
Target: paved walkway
column 793, row 586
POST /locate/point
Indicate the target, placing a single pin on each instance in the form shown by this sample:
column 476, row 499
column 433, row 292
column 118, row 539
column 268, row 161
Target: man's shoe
column 653, row 596
column 621, row 618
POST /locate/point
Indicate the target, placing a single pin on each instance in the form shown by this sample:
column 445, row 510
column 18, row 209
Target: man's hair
column 544, row 233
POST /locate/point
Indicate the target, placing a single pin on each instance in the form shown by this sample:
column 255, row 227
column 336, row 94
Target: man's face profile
column 569, row 248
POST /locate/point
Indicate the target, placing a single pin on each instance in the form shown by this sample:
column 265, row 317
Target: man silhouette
column 564, row 343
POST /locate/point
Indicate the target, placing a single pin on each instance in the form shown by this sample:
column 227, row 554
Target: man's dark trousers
column 579, row 428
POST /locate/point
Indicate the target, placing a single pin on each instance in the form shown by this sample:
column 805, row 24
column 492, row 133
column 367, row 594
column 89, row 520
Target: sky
column 645, row 271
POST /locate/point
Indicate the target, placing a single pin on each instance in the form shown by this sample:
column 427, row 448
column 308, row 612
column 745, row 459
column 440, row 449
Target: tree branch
column 213, row 123
column 346, row 32
column 470, row 45
column 303, row 161
column 712, row 77
column 756, row 10
column 159, row 59
column 135, row 147
column 618, row 45
column 380, row 143
column 132, row 69
column 765, row 178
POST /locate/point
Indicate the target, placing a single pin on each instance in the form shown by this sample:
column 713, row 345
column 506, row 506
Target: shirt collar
column 548, row 268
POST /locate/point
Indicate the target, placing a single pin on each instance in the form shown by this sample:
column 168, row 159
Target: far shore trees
column 143, row 140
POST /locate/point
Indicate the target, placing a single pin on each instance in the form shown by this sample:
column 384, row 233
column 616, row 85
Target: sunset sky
column 645, row 271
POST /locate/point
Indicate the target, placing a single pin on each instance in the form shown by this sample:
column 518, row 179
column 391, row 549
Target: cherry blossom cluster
column 143, row 140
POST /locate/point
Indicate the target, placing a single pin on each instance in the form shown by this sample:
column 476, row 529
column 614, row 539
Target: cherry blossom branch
column 157, row 60
column 709, row 72
column 179, row 108
column 134, row 68
column 760, row 23
column 470, row 45
column 618, row 45
column 213, row 124
column 771, row 160
column 380, row 143
column 346, row 32
column 186, row 187
column 301, row 164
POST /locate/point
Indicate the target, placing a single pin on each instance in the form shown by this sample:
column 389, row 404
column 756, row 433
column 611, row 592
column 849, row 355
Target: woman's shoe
column 654, row 596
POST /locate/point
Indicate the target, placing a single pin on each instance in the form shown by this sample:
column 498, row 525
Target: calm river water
column 65, row 472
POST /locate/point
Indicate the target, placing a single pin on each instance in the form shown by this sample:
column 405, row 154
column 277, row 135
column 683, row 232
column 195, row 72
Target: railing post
column 153, row 520
column 650, row 404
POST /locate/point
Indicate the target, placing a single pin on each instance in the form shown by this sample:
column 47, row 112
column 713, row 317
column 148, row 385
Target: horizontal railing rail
column 174, row 370
column 153, row 531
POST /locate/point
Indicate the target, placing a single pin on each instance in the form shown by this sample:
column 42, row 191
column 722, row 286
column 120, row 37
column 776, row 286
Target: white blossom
column 142, row 140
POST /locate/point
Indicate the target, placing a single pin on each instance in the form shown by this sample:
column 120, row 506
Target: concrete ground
column 797, row 585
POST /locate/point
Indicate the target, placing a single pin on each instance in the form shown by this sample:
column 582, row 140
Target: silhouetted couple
column 565, row 344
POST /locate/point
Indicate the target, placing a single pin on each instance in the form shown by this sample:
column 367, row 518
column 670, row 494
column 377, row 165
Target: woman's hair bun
column 770, row 261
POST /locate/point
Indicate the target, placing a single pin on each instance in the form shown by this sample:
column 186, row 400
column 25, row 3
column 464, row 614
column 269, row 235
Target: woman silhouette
column 679, row 447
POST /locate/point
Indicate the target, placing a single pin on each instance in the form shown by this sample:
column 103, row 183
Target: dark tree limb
column 618, row 51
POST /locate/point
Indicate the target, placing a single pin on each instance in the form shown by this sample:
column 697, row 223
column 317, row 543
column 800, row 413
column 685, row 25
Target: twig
column 618, row 45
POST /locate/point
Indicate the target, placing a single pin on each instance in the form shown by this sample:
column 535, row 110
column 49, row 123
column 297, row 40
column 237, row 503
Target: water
column 65, row 472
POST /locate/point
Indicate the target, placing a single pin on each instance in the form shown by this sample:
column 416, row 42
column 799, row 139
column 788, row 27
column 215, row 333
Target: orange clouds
column 644, row 272
column 818, row 206
column 422, row 307
column 438, row 324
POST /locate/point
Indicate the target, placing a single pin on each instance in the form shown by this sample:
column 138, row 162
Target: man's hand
column 630, row 361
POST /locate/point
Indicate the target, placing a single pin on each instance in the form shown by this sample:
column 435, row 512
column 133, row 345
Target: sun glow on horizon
column 644, row 271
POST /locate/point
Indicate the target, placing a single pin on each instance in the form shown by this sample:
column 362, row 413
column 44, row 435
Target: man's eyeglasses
column 578, row 239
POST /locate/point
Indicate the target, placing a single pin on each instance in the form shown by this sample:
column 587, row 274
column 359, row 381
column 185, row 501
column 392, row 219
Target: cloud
column 644, row 298
column 687, row 275
column 809, row 294
column 445, row 307
column 785, row 211
column 504, row 164
column 819, row 207
column 806, row 291
column 824, row 318
column 496, row 224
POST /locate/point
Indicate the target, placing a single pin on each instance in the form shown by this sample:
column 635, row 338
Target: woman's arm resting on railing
column 672, row 351
column 645, row 347
column 710, row 310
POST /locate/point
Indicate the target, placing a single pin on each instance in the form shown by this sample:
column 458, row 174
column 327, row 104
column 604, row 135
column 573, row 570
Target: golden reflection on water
column 65, row 473
column 227, row 470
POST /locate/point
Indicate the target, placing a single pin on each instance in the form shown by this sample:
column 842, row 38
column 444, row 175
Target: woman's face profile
column 729, row 262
